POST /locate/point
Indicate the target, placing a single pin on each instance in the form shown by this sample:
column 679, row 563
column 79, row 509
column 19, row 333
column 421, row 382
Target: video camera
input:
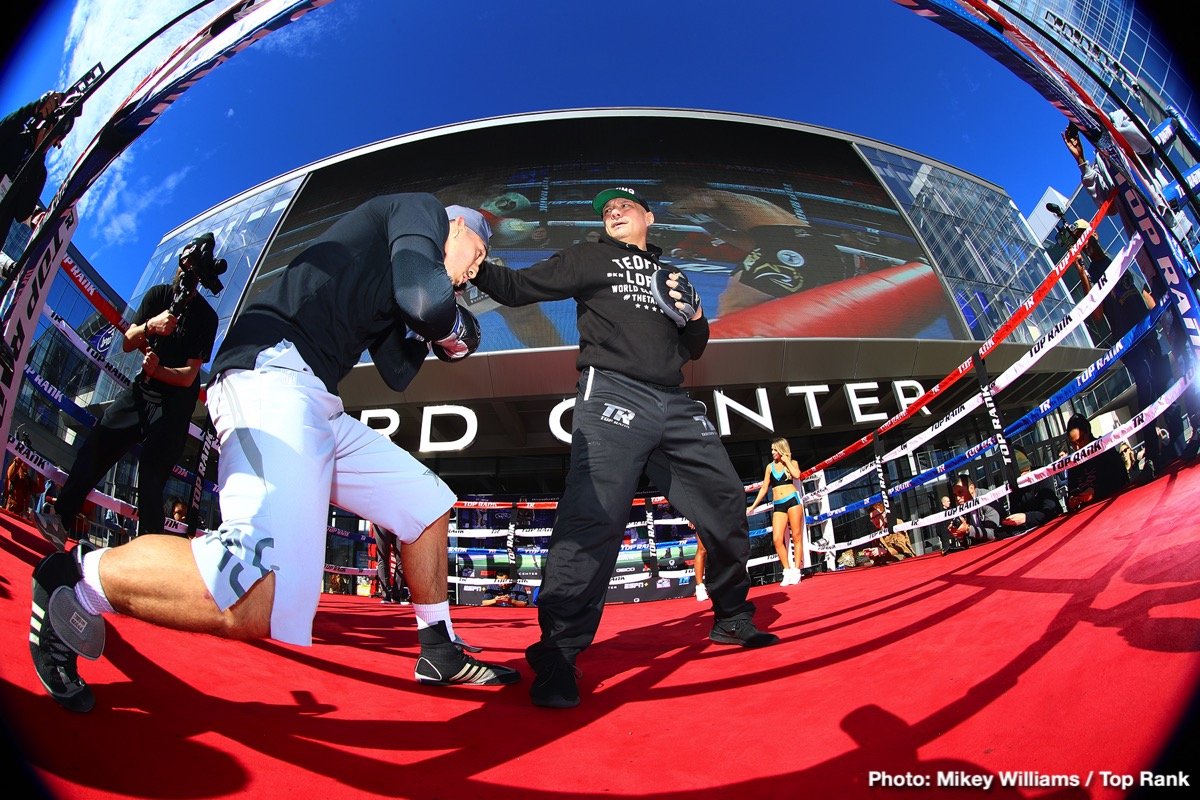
column 198, row 266
column 1062, row 233
column 53, row 108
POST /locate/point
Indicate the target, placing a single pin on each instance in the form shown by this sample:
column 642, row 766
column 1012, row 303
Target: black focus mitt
column 680, row 303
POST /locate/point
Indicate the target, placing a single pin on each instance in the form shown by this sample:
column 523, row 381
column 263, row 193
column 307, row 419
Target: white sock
column 429, row 614
column 88, row 591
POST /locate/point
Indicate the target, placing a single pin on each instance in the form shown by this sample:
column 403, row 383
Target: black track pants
column 622, row 427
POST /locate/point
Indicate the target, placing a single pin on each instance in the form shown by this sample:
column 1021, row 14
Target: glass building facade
column 242, row 230
column 985, row 252
column 1117, row 53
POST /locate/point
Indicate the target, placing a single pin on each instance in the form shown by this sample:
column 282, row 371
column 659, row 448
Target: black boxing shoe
column 55, row 662
column 740, row 631
column 443, row 663
column 80, row 629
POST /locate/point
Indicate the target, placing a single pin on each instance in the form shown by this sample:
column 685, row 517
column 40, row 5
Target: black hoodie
column 621, row 328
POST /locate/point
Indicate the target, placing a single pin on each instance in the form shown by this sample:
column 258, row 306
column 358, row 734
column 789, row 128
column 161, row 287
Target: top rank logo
column 621, row 417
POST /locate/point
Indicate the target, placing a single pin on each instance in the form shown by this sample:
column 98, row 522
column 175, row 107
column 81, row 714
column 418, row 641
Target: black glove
column 462, row 340
column 681, row 310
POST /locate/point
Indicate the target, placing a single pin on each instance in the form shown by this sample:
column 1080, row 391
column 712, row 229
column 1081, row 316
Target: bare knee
column 250, row 617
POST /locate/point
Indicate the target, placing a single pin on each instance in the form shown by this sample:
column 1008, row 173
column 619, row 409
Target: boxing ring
column 657, row 556
column 1101, row 594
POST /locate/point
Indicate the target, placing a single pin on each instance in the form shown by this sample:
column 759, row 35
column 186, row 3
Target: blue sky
column 358, row 71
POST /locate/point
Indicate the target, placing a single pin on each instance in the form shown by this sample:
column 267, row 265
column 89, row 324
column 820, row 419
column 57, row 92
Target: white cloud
column 116, row 210
column 104, row 32
column 293, row 40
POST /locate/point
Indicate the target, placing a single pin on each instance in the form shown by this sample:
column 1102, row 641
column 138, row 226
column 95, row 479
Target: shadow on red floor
column 1036, row 661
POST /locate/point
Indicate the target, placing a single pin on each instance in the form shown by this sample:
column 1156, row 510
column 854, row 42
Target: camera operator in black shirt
column 25, row 136
column 175, row 329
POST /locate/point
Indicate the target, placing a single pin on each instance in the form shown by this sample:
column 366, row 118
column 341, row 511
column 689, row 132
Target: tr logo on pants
column 705, row 425
column 617, row 415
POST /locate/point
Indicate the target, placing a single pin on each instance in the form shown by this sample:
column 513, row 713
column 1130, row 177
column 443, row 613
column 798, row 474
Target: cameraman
column 175, row 328
column 22, row 133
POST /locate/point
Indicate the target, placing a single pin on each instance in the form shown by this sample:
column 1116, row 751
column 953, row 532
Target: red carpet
column 1068, row 651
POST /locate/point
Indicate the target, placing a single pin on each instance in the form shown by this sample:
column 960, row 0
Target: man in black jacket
column 630, row 415
column 1098, row 478
column 1032, row 505
column 22, row 133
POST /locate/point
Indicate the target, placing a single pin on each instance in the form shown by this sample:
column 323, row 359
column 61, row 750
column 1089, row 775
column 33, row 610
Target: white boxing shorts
column 289, row 450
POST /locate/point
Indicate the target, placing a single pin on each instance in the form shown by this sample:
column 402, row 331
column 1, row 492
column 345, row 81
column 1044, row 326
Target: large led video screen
column 784, row 232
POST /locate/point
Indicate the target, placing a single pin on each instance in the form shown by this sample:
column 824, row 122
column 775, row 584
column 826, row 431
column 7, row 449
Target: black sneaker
column 443, row 662
column 556, row 682
column 53, row 660
column 740, row 631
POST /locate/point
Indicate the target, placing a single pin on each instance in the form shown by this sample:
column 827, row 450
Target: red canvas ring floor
column 1069, row 652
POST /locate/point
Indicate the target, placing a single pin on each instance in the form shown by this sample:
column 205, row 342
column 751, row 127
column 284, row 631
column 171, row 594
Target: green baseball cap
column 620, row 191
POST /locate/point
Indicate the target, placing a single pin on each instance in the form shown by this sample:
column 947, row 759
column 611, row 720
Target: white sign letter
column 556, row 415
column 762, row 419
column 462, row 443
column 905, row 399
column 810, row 401
column 857, row 403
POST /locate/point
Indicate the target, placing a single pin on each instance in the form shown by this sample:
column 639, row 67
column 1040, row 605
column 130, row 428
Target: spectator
column 174, row 328
column 22, row 484
column 1149, row 365
column 505, row 592
column 1097, row 478
column 956, row 533
column 984, row 518
column 178, row 510
column 1098, row 181
column 1032, row 505
column 896, row 543
column 21, row 134
column 1127, row 456
column 1096, row 178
